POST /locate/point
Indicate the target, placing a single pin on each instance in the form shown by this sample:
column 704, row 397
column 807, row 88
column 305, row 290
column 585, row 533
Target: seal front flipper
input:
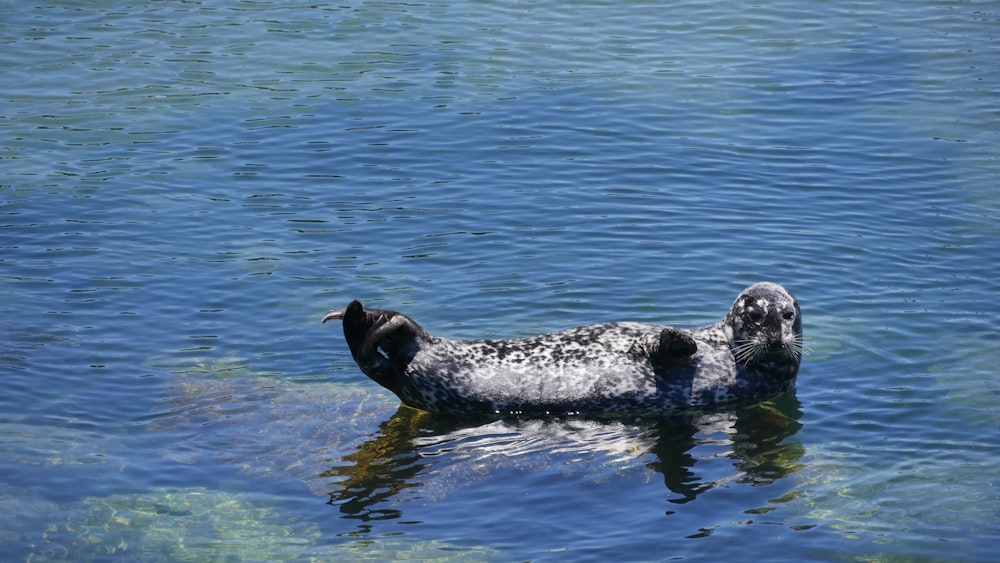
column 675, row 346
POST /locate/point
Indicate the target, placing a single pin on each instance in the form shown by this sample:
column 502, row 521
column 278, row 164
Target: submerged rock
column 194, row 524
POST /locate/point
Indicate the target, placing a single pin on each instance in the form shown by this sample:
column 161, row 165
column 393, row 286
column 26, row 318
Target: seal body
column 752, row 354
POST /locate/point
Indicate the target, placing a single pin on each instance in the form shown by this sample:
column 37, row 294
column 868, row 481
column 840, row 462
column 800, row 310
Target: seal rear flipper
column 369, row 330
column 675, row 346
column 366, row 329
column 363, row 331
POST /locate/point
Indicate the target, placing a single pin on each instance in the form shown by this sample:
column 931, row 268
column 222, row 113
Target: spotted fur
column 752, row 354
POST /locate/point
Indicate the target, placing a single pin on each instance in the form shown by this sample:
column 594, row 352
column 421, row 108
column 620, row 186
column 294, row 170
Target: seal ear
column 675, row 346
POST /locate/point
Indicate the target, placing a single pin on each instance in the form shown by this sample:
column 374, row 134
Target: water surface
column 189, row 186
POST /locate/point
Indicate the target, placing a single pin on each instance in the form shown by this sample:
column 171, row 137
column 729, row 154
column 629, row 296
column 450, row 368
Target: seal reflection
column 419, row 454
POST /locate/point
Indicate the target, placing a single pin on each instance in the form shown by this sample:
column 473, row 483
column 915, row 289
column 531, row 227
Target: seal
column 749, row 356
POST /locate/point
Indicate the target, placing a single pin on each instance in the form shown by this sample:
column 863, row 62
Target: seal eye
column 755, row 315
column 789, row 315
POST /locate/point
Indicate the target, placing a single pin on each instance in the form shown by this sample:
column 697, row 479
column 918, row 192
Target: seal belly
column 580, row 366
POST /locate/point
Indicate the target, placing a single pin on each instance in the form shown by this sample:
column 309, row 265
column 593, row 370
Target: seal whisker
column 748, row 351
column 796, row 348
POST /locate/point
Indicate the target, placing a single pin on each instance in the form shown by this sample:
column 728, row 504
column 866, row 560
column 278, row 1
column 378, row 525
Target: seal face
column 752, row 354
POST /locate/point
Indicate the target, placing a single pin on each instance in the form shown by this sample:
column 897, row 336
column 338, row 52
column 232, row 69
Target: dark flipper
column 368, row 330
column 675, row 346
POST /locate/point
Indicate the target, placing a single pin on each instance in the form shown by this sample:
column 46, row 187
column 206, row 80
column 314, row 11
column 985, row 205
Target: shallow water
column 189, row 186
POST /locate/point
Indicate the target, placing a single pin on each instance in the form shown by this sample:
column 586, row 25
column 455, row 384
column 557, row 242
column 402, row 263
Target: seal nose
column 775, row 329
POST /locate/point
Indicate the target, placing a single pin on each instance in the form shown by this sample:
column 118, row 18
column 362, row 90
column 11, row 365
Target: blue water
column 188, row 186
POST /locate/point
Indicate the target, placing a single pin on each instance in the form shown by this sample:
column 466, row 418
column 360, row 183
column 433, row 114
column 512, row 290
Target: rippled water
column 188, row 186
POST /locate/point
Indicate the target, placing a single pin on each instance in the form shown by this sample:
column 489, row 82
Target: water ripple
column 188, row 187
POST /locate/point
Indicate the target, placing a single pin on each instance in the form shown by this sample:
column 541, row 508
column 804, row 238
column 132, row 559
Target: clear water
column 188, row 186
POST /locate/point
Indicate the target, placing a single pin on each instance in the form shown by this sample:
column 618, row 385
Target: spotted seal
column 752, row 354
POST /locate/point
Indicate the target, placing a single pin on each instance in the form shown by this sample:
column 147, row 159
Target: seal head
column 767, row 326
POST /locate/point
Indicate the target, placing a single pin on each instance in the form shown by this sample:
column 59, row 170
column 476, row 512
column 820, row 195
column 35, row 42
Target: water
column 189, row 186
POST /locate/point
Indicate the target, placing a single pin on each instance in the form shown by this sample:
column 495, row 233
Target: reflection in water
column 429, row 452
column 753, row 439
column 381, row 468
